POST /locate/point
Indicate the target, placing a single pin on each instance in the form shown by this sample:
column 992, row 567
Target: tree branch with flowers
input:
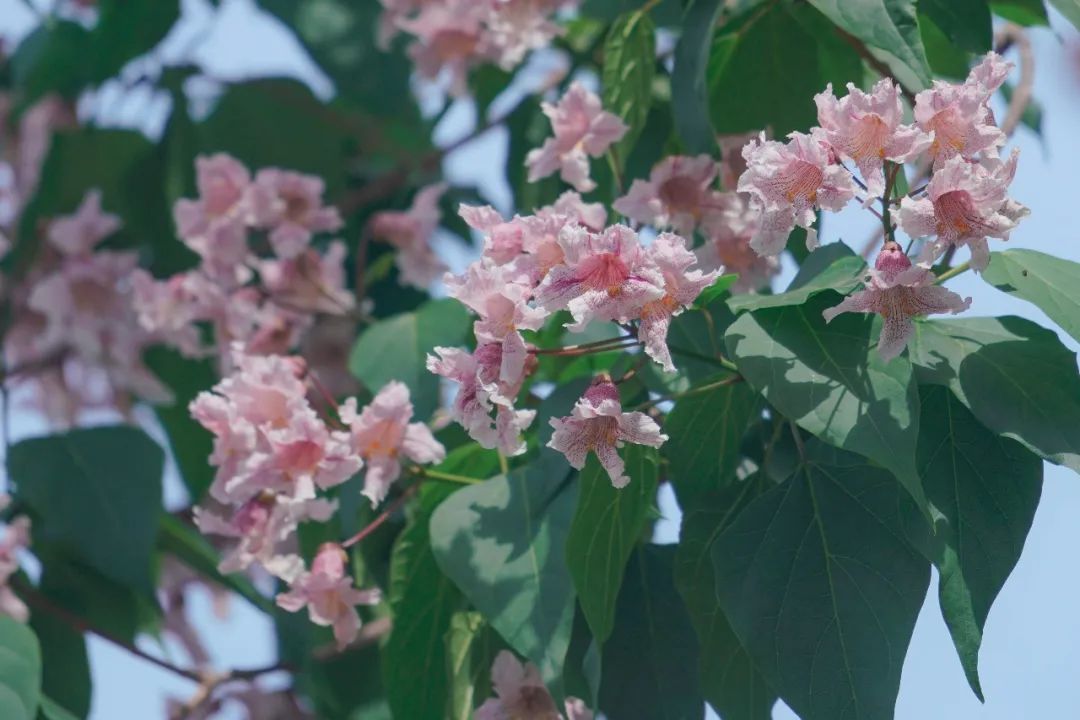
column 426, row 434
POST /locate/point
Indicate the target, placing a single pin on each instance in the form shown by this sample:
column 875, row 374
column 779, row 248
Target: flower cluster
column 520, row 693
column 581, row 129
column 75, row 332
column 13, row 538
column 274, row 454
column 264, row 300
column 453, row 36
column 964, row 203
column 562, row 258
column 681, row 195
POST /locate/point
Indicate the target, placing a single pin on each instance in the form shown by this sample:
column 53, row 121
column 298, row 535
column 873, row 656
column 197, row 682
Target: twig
column 448, row 477
column 383, row 516
column 719, row 361
column 798, row 440
column 39, row 601
column 586, row 348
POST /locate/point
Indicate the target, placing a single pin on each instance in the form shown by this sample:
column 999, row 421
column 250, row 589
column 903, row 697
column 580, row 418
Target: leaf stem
column 586, row 348
column 953, row 272
column 448, row 477
column 719, row 361
column 731, row 380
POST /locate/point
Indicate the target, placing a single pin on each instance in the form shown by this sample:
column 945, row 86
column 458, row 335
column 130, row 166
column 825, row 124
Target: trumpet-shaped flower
column 604, row 276
column 582, row 129
column 679, row 194
column 965, row 203
column 898, row 292
column 384, row 438
column 328, row 593
column 681, row 287
column 520, row 694
column 289, row 204
column 79, row 233
column 866, row 128
column 410, row 232
column 787, row 181
column 598, row 424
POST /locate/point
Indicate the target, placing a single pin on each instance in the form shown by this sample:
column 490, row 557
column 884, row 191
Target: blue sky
column 1030, row 661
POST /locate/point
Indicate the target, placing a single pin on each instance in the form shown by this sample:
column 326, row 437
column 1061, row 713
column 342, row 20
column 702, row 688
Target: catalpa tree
column 441, row 486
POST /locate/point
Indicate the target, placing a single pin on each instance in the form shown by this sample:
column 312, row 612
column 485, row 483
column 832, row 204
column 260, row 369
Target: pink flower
column 530, row 243
column 289, row 204
column 679, row 194
column 605, row 276
column 450, row 39
column 516, row 27
column 898, row 292
column 214, row 226
column 495, row 293
column 521, row 694
column 328, row 593
column 965, row 203
column 79, row 234
column 266, row 435
column 13, row 538
column 411, row 233
column 727, row 245
column 959, row 115
column 261, row 525
column 786, row 182
column 866, row 129
column 599, row 425
column 681, row 287
column 384, row 437
column 169, row 309
column 309, row 282
column 582, row 129
column 489, row 379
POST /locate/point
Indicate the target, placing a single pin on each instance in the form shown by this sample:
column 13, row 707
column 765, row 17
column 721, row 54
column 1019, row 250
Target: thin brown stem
column 586, row 348
column 383, row 516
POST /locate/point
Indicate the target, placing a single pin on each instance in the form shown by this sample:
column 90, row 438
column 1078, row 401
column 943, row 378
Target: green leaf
column 830, row 267
column 729, row 680
column 51, row 59
column 1070, row 9
column 187, row 545
column 125, row 30
column 716, row 291
column 53, row 710
column 503, row 543
column 261, row 123
column 705, row 430
column 86, row 593
column 96, row 492
column 1050, row 283
column 944, row 56
column 888, row 27
column 696, row 340
column 397, row 349
column 471, row 648
column 966, row 23
column 1016, row 377
column 1021, row 12
column 423, row 601
column 340, row 35
column 831, row 380
column 20, row 671
column 190, row 442
column 649, row 660
column 766, row 66
column 821, row 588
column 65, row 667
column 689, row 91
column 986, row 489
column 607, row 525
column 666, row 12
column 629, row 69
